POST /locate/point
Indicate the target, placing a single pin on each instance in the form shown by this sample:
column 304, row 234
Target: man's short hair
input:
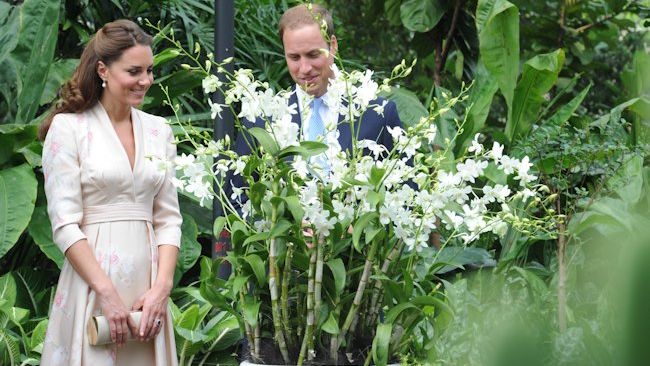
column 301, row 15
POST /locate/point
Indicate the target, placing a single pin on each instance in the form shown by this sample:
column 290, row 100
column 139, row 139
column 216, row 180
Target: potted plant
column 330, row 257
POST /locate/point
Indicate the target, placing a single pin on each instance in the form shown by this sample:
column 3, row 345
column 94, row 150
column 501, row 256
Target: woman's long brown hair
column 84, row 89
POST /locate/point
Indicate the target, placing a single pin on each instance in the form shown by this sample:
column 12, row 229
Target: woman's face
column 129, row 77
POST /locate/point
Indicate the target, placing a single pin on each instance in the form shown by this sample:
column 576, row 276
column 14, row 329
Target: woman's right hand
column 117, row 314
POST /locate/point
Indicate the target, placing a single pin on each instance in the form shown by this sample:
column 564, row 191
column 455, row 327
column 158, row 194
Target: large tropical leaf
column 36, row 44
column 564, row 113
column 60, row 71
column 480, row 100
column 17, row 198
column 9, row 22
column 497, row 22
column 539, row 75
column 421, row 15
column 40, row 229
column 190, row 248
column 409, row 107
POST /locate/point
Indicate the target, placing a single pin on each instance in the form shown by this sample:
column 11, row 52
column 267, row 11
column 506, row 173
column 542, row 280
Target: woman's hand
column 153, row 304
column 117, row 314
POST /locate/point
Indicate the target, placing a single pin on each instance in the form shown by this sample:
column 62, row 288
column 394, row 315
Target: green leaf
column 338, row 273
column 421, row 301
column 10, row 344
column 37, row 40
column 238, row 284
column 539, row 75
column 184, row 81
column 190, row 248
column 223, row 331
column 496, row 175
column 391, row 8
column 189, row 319
column 38, row 335
column 257, row 237
column 17, row 198
column 9, row 22
column 421, row 15
column 219, row 224
column 293, row 203
column 257, row 265
column 396, row 310
column 256, row 194
column 306, row 149
column 360, row 226
column 409, row 107
column 564, row 113
column 480, row 100
column 381, row 344
column 251, row 311
column 8, row 290
column 628, row 180
column 376, row 175
column 265, row 140
column 60, row 72
column 168, row 54
column 280, row 228
column 17, row 315
column 497, row 22
column 331, row 325
column 40, row 229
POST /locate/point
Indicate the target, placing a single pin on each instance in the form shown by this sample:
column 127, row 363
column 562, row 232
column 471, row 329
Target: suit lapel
column 345, row 134
column 293, row 99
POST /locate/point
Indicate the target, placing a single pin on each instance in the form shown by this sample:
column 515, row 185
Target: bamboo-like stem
column 359, row 294
column 275, row 306
column 307, row 342
column 318, row 279
column 284, row 296
column 377, row 291
column 249, row 332
column 258, row 330
column 334, row 355
column 561, row 264
column 300, row 310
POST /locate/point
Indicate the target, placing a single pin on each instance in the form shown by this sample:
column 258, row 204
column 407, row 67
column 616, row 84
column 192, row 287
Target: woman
column 114, row 213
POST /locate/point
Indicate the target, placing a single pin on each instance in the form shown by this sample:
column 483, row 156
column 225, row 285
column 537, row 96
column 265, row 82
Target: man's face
column 307, row 58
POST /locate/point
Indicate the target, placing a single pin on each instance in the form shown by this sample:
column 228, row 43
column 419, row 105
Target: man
column 309, row 57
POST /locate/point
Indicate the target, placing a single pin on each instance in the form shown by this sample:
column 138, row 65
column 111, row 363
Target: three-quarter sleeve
column 167, row 218
column 61, row 169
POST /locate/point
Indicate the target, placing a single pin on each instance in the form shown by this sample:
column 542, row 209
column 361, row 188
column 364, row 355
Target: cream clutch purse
column 99, row 332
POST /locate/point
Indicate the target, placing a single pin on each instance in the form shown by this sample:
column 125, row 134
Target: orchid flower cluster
column 410, row 196
column 355, row 213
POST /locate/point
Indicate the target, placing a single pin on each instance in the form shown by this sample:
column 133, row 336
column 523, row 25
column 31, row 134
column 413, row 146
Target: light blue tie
column 316, row 129
column 316, row 125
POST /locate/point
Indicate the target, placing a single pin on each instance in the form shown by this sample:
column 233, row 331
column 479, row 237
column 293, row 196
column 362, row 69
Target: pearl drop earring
column 103, row 83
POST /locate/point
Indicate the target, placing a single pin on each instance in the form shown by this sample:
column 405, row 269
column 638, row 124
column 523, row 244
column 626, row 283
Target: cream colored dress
column 125, row 214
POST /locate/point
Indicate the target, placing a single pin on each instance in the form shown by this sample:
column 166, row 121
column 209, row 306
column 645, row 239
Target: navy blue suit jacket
column 372, row 126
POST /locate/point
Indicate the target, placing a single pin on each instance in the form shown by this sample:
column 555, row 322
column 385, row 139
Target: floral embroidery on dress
column 54, row 148
column 154, row 132
column 126, row 270
column 60, row 298
column 114, row 258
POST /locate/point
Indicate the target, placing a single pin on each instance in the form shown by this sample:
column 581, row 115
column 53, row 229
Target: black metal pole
column 224, row 43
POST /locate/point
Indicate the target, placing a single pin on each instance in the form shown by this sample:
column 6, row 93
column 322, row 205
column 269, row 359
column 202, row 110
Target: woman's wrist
column 165, row 285
column 103, row 288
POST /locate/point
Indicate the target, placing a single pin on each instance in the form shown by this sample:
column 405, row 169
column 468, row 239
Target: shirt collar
column 304, row 99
